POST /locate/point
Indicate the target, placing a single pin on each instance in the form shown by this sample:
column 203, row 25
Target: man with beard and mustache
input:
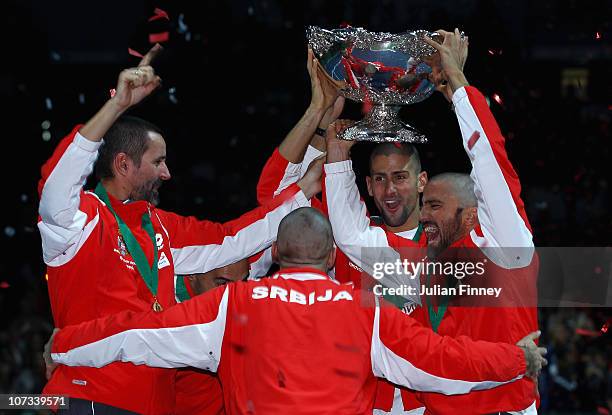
column 112, row 249
column 483, row 215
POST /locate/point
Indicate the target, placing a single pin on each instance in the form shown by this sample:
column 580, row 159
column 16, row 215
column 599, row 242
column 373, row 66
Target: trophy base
column 381, row 125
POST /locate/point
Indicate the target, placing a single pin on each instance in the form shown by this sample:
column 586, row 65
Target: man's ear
column 369, row 184
column 121, row 164
column 275, row 253
column 421, row 181
column 470, row 217
column 331, row 259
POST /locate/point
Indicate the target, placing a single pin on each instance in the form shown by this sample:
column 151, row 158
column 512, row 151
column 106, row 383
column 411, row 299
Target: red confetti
column 158, row 37
column 602, row 411
column 159, row 14
column 597, row 35
column 134, row 53
column 590, row 333
column 112, row 92
column 605, row 327
column 4, row 284
column 498, row 99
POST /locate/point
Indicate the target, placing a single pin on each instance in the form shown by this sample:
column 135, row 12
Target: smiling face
column 444, row 216
column 394, row 184
column 146, row 179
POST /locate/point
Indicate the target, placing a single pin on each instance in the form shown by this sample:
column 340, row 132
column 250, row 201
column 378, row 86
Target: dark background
column 235, row 82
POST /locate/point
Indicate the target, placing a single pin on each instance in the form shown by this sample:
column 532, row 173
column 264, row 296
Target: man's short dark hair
column 404, row 149
column 129, row 135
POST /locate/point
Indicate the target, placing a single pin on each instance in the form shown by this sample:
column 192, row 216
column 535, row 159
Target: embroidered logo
column 121, row 245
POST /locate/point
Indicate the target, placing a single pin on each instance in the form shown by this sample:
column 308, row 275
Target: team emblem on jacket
column 121, row 245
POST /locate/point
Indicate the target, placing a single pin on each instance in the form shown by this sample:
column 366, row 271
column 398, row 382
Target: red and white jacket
column 90, row 275
column 282, row 345
column 503, row 237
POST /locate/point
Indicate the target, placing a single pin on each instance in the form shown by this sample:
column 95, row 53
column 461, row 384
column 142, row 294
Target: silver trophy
column 383, row 70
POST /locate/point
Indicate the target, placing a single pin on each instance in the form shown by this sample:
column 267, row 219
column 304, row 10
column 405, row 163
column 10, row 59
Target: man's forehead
column 156, row 144
column 439, row 190
column 383, row 163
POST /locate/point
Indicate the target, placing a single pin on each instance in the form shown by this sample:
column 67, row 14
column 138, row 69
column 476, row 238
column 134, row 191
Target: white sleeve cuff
column 459, row 94
column 339, row 167
column 301, row 199
column 85, row 144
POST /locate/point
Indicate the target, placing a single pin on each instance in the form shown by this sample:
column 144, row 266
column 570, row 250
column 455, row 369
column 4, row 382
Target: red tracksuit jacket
column 91, row 275
column 283, row 345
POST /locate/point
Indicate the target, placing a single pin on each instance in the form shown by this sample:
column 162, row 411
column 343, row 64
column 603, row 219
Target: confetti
column 4, row 284
column 159, row 14
column 134, row 53
column 158, row 37
column 588, row 333
column 112, row 92
column 498, row 99
column 597, row 35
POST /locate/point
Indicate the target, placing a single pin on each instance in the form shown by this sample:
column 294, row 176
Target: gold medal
column 157, row 306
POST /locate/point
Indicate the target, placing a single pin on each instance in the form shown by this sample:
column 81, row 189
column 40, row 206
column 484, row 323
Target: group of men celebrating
column 311, row 338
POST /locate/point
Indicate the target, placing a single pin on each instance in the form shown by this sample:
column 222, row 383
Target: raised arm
column 187, row 334
column 348, row 213
column 64, row 215
column 201, row 246
column 409, row 354
column 304, row 143
column 501, row 212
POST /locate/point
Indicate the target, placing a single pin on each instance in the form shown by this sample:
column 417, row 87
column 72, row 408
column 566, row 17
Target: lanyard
column 398, row 300
column 435, row 316
column 148, row 274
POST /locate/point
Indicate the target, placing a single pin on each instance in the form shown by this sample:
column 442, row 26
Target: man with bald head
column 305, row 239
column 282, row 345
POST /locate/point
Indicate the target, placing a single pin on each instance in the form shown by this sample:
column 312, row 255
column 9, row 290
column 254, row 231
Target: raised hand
column 534, row 355
column 338, row 150
column 447, row 65
column 324, row 90
column 310, row 183
column 135, row 84
column 332, row 113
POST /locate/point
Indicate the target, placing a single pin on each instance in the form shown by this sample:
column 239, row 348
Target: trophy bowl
column 382, row 70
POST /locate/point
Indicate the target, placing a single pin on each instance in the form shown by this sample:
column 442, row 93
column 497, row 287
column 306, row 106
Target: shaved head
column 461, row 185
column 304, row 239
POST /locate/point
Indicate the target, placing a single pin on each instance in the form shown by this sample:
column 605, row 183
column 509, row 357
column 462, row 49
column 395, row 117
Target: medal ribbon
column 149, row 275
column 398, row 300
column 435, row 316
